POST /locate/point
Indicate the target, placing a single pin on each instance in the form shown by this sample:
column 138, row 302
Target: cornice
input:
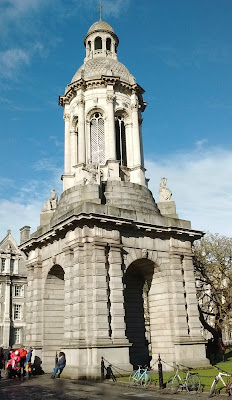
column 103, row 81
column 60, row 229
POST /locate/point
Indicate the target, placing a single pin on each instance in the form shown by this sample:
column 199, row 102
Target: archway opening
column 137, row 282
column 53, row 313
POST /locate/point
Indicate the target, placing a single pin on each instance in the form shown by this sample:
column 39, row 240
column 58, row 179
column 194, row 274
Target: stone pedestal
column 168, row 208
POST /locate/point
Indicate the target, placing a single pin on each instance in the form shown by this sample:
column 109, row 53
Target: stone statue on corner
column 165, row 194
column 51, row 203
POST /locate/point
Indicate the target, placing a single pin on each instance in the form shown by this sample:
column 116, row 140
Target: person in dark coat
column 59, row 365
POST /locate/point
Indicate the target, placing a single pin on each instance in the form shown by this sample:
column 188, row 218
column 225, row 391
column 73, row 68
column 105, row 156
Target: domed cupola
column 103, row 108
column 101, row 41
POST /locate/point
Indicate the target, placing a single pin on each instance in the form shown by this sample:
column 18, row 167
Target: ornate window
column 17, row 335
column 120, row 140
column 3, row 265
column 18, row 291
column 108, row 44
column 17, row 311
column 11, row 266
column 97, row 139
column 98, row 43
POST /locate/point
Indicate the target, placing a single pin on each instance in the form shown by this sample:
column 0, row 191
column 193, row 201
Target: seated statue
column 165, row 194
column 51, row 203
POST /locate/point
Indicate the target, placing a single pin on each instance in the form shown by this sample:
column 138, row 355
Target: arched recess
column 121, row 146
column 98, row 43
column 137, row 283
column 53, row 313
column 97, row 138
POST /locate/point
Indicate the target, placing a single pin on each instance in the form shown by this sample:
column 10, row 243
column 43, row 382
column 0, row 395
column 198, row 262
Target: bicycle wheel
column 212, row 389
column 193, row 384
column 134, row 378
column 145, row 381
column 173, row 384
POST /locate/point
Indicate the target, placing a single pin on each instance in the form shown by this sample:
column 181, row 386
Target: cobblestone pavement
column 43, row 388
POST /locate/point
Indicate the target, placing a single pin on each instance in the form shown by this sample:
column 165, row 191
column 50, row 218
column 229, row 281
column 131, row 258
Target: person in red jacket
column 22, row 353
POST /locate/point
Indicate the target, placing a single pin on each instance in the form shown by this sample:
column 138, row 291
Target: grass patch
column 206, row 375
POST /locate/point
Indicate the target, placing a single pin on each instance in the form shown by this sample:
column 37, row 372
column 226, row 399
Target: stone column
column 180, row 318
column 160, row 309
column 117, row 312
column 136, row 134
column 67, row 144
column 88, row 143
column 81, row 132
column 111, row 142
column 129, row 144
column 79, row 296
column 68, row 296
column 141, row 138
column 28, row 305
column 191, row 298
column 99, row 304
column 36, row 306
column 7, row 314
column 73, row 148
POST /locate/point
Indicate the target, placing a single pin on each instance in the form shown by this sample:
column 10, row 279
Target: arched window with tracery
column 98, row 43
column 120, row 140
column 97, row 139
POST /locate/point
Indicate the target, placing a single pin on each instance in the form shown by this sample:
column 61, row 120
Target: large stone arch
column 137, row 282
column 53, row 314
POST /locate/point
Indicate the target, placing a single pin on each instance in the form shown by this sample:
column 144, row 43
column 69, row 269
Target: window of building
column 17, row 311
column 108, row 44
column 97, row 139
column 18, row 291
column 120, row 140
column 3, row 265
column 17, row 335
column 98, row 43
column 11, row 266
column 89, row 45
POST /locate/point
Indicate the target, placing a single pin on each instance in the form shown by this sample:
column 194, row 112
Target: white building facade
column 110, row 273
column 13, row 281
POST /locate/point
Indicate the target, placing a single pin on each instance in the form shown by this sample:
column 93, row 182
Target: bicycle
column 140, row 376
column 191, row 383
column 227, row 386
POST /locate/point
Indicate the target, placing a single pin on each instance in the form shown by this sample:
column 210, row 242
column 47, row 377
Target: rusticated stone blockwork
column 109, row 273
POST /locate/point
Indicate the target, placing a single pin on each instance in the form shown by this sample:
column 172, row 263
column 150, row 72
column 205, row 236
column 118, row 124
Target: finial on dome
column 100, row 11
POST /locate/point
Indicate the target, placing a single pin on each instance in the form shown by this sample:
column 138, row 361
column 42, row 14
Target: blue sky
column 180, row 52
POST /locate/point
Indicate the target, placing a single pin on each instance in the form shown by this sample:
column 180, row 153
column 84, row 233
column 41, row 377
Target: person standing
column 22, row 354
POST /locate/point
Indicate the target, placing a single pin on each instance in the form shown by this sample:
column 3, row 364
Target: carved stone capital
column 66, row 117
column 110, row 98
column 134, row 106
column 81, row 102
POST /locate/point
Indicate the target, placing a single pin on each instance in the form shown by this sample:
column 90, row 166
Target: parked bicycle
column 191, row 382
column 140, row 376
column 227, row 385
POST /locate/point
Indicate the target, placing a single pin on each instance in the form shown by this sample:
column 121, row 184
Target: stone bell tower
column 109, row 273
column 103, row 105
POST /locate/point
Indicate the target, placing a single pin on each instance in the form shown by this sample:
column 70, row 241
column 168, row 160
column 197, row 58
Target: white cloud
column 12, row 60
column 201, row 184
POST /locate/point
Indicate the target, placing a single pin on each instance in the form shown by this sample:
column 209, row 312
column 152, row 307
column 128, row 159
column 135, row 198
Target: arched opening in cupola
column 108, row 44
column 120, row 140
column 98, row 43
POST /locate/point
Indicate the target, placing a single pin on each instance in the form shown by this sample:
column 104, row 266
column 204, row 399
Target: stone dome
column 96, row 67
column 100, row 26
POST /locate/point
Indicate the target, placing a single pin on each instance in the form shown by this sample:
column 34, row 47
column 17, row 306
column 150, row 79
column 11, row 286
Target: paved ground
column 44, row 388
